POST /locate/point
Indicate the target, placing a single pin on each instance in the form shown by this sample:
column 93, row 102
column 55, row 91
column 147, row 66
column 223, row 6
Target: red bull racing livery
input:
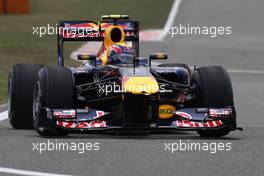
column 115, row 89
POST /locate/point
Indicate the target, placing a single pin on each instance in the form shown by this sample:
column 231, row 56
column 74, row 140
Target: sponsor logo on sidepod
column 165, row 111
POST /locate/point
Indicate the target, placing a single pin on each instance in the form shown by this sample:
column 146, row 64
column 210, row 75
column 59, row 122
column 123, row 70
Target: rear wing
column 92, row 31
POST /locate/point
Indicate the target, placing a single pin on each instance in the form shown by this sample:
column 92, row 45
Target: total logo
column 165, row 111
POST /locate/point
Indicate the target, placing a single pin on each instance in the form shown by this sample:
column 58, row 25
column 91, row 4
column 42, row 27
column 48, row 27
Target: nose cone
column 140, row 85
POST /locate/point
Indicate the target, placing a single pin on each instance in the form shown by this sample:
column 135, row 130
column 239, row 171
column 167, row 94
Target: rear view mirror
column 157, row 56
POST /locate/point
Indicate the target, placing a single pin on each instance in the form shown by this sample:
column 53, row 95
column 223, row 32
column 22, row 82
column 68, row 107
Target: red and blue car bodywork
column 132, row 94
column 177, row 107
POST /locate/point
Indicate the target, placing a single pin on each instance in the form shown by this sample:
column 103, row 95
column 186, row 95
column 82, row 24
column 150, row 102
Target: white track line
column 24, row 172
column 3, row 115
column 171, row 18
column 245, row 71
column 3, row 105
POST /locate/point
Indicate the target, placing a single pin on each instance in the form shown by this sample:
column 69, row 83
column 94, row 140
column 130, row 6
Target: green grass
column 19, row 45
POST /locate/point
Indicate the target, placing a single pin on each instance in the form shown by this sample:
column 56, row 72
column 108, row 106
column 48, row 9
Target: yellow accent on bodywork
column 160, row 56
column 114, row 17
column 141, row 85
column 165, row 111
column 103, row 58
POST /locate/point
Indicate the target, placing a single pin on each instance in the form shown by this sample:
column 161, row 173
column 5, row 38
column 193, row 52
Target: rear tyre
column 21, row 80
column 214, row 90
column 55, row 90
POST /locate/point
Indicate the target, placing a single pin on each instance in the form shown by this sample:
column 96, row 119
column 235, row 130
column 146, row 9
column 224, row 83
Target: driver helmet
column 117, row 51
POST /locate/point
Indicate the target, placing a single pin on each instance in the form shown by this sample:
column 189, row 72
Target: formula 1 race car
column 116, row 90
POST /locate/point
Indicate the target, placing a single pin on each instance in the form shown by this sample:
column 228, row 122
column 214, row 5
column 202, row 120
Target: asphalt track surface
column 145, row 154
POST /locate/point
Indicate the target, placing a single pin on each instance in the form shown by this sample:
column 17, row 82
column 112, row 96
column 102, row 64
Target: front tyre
column 21, row 80
column 214, row 90
column 55, row 90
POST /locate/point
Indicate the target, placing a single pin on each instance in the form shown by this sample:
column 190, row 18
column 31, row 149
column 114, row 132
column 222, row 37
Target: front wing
column 184, row 119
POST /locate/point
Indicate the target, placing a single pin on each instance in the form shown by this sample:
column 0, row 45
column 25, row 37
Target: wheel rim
column 36, row 103
column 10, row 97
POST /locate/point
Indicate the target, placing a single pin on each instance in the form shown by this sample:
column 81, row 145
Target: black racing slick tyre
column 21, row 81
column 54, row 89
column 214, row 90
